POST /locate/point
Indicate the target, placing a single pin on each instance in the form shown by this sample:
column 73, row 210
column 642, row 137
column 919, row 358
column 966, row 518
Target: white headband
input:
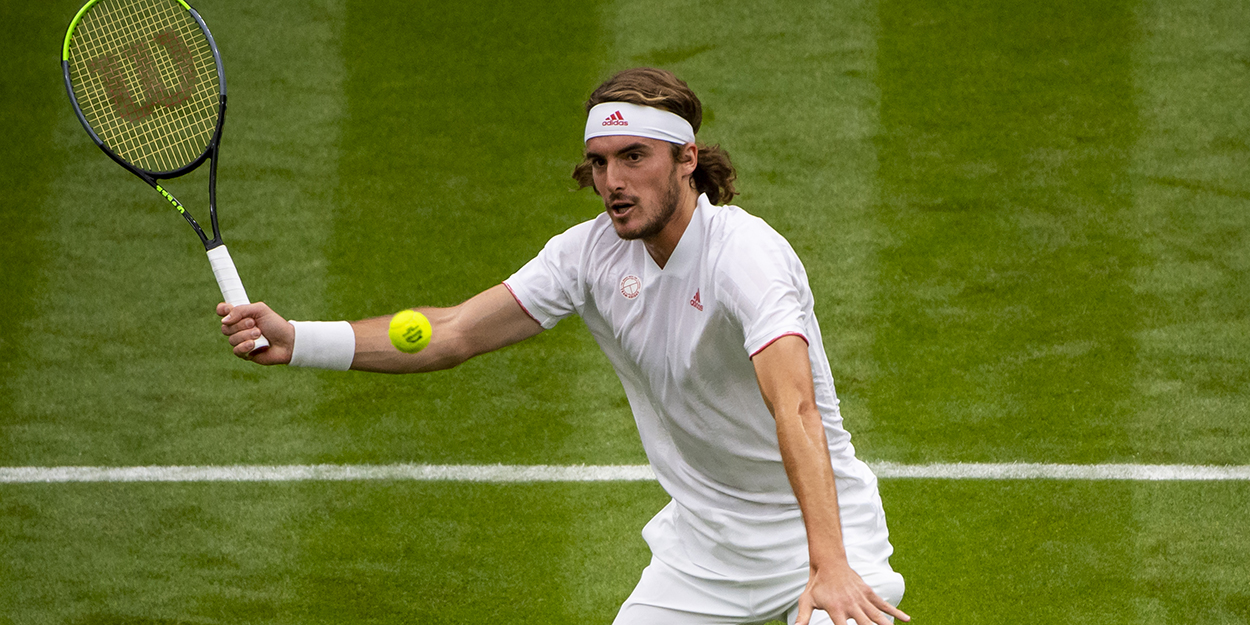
column 622, row 118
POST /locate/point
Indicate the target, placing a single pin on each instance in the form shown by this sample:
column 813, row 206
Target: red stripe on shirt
column 527, row 311
column 798, row 334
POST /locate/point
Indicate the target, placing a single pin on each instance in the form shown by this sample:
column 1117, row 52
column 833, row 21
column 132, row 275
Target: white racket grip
column 231, row 286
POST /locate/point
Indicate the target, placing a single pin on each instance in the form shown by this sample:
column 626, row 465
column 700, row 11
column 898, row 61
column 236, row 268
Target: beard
column 667, row 208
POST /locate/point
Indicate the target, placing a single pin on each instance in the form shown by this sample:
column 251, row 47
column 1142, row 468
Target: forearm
column 488, row 321
column 375, row 353
column 785, row 378
column 805, row 453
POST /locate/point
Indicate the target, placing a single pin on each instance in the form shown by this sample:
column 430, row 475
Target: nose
column 613, row 178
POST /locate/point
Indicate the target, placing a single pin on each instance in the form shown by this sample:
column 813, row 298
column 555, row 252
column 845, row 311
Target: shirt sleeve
column 764, row 286
column 548, row 287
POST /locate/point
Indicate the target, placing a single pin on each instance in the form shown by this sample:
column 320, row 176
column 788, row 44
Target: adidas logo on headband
column 644, row 121
column 615, row 119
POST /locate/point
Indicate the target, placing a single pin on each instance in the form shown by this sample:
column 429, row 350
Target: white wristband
column 323, row 344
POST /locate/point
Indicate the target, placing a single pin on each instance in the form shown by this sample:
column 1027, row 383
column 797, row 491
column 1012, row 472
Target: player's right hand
column 244, row 324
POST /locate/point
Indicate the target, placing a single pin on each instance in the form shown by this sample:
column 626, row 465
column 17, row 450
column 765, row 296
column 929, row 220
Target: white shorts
column 666, row 596
column 706, row 567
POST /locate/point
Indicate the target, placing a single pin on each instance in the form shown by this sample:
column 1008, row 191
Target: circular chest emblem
column 630, row 286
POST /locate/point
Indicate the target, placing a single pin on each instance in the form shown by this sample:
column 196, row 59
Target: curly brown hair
column 658, row 88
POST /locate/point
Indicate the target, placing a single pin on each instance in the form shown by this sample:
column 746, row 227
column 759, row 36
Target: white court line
column 329, row 472
column 584, row 473
column 1037, row 471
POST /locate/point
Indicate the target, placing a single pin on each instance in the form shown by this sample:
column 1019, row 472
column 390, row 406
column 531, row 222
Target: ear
column 689, row 160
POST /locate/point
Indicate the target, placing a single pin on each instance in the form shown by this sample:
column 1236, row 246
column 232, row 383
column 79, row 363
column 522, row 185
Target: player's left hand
column 841, row 593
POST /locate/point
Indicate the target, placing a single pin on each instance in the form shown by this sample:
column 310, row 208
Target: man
column 706, row 315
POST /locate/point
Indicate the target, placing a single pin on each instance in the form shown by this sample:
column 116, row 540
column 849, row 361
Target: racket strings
column 146, row 81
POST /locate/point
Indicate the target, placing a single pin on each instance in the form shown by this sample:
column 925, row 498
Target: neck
column 661, row 245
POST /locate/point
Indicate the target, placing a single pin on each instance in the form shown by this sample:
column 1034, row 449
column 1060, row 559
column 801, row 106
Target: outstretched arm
column 488, row 321
column 785, row 378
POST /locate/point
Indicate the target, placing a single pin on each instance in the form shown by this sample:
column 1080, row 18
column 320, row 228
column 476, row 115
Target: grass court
column 1027, row 226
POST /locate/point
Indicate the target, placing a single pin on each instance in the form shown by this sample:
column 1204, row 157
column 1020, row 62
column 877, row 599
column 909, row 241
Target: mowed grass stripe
column 464, row 125
column 1191, row 168
column 1191, row 164
column 1007, row 316
column 788, row 91
column 34, row 95
column 591, row 473
column 328, row 552
column 125, row 359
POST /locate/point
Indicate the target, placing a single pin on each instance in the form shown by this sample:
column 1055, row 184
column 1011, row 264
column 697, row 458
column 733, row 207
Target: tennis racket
column 146, row 81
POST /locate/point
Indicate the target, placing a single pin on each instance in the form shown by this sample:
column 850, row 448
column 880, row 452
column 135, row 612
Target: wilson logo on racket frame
column 172, row 200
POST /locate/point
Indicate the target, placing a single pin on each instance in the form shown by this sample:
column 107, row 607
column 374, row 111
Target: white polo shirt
column 681, row 340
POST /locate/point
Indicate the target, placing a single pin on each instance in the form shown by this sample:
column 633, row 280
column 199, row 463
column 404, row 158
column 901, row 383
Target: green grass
column 1190, row 193
column 1007, row 311
column 1026, row 226
column 443, row 553
column 27, row 187
column 321, row 553
column 1071, row 551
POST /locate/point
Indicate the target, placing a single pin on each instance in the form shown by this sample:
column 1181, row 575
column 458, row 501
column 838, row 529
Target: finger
column 805, row 610
column 860, row 617
column 885, row 606
column 224, row 309
column 897, row 613
column 240, row 312
column 233, row 328
column 855, row 615
column 239, row 338
column 244, row 350
column 871, row 612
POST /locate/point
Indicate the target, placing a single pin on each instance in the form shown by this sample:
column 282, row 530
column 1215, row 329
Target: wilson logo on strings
column 112, row 73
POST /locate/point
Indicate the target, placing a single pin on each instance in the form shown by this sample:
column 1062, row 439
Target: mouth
column 619, row 208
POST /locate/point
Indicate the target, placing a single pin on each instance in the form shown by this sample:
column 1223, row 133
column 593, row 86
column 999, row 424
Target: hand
column 244, row 324
column 841, row 593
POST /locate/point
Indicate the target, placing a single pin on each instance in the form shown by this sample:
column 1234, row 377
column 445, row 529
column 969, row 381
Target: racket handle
column 231, row 286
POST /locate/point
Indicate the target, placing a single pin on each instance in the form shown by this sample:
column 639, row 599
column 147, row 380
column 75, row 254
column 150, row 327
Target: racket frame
column 153, row 177
column 219, row 257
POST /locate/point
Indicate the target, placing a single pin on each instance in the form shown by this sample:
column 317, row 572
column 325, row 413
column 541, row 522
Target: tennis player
column 706, row 314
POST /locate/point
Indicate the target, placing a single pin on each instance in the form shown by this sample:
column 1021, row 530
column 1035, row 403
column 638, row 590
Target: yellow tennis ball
column 410, row 331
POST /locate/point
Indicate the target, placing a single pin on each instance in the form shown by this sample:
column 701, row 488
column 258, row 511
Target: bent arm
column 785, row 377
column 488, row 321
